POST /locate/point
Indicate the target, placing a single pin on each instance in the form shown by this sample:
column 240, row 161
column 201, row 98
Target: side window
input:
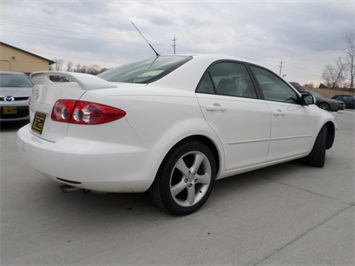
column 274, row 88
column 227, row 78
column 205, row 85
column 347, row 98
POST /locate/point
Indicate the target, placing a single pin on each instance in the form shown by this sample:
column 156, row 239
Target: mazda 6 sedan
column 170, row 125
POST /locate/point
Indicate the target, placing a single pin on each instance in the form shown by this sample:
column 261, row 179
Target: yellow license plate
column 38, row 122
column 9, row 110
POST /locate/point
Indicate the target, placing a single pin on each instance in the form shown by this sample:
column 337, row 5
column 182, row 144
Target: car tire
column 185, row 179
column 317, row 156
column 324, row 106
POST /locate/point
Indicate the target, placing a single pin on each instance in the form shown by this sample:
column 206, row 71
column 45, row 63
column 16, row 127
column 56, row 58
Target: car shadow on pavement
column 112, row 205
column 11, row 126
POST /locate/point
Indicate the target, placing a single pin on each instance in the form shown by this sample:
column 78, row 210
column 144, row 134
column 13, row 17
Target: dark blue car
column 349, row 100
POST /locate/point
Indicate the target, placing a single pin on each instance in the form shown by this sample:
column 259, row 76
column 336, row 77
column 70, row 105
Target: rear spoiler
column 85, row 81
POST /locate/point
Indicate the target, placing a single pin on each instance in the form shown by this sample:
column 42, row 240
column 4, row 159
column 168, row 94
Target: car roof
column 214, row 57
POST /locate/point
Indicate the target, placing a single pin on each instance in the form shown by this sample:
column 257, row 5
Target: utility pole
column 280, row 66
column 174, row 45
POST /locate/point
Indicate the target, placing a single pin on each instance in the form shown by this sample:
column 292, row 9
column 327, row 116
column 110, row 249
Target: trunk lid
column 46, row 92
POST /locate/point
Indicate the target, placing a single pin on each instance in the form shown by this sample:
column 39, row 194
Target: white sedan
column 170, row 125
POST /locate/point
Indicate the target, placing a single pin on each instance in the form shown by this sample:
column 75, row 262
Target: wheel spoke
column 181, row 166
column 198, row 161
column 176, row 189
column 204, row 179
column 191, row 195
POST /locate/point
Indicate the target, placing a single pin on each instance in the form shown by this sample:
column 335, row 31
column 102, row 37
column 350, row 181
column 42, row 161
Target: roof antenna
column 146, row 40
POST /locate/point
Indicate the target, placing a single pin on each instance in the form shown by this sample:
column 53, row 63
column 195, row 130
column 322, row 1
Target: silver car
column 15, row 91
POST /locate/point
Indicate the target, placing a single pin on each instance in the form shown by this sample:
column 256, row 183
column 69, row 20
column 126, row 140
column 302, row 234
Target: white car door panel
column 242, row 125
column 292, row 130
column 292, row 123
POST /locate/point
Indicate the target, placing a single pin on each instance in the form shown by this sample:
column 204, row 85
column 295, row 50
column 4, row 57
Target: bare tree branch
column 334, row 75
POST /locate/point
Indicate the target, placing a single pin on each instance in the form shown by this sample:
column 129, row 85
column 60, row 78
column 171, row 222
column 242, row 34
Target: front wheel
column 185, row 179
column 317, row 156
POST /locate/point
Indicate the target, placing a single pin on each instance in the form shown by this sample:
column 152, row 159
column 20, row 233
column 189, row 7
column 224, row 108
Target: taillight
column 62, row 110
column 86, row 113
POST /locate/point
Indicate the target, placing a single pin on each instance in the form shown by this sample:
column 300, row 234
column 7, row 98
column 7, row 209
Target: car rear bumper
column 91, row 165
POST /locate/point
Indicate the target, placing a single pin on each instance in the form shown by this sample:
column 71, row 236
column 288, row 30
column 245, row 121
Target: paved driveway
column 283, row 215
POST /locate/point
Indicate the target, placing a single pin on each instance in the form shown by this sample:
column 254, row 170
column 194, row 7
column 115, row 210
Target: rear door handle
column 278, row 113
column 215, row 107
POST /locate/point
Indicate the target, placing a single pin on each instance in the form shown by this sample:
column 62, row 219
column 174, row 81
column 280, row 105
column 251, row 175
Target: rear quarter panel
column 160, row 119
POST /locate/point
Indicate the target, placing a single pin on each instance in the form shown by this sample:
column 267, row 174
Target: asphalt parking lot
column 289, row 214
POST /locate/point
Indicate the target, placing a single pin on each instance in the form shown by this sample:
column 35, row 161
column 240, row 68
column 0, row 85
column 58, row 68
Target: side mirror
column 307, row 98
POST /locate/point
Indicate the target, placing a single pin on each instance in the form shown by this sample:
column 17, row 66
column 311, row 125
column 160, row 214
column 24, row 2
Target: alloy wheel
column 190, row 178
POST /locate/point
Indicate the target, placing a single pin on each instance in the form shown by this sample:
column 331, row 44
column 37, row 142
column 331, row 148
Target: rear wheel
column 185, row 179
column 317, row 156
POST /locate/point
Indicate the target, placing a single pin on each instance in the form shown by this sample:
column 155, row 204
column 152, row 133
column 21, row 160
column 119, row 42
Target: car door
column 292, row 124
column 241, row 121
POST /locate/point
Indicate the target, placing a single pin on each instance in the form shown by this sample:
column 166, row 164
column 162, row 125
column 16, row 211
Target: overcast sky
column 305, row 34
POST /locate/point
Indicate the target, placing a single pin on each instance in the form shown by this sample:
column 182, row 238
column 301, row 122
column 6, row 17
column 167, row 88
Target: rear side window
column 145, row 71
column 272, row 87
column 227, row 78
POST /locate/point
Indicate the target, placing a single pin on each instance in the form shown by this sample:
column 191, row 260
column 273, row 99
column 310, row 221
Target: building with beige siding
column 16, row 59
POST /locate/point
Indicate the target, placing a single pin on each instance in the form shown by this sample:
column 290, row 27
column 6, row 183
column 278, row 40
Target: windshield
column 145, row 71
column 14, row 80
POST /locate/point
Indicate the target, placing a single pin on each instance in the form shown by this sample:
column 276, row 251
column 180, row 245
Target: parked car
column 298, row 86
column 328, row 104
column 15, row 90
column 170, row 125
column 349, row 100
column 322, row 102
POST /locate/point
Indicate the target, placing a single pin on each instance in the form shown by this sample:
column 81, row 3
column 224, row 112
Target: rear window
column 14, row 80
column 145, row 71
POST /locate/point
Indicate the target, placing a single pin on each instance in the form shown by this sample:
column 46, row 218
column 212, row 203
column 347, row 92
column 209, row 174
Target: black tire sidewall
column 317, row 156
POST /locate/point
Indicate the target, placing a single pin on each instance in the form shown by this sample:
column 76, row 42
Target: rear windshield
column 145, row 71
column 14, row 80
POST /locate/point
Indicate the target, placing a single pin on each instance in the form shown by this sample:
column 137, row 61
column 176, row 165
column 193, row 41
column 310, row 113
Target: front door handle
column 215, row 107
